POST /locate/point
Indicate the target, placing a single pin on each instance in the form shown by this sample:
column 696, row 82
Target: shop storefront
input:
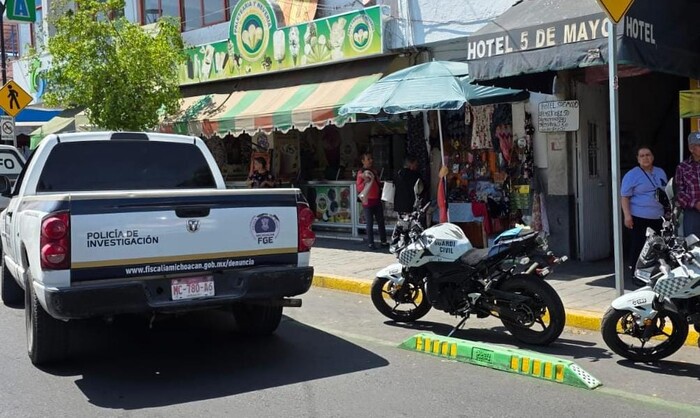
column 273, row 91
column 560, row 48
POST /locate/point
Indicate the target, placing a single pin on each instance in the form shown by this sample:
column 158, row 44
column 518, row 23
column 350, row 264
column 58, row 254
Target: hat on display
column 694, row 138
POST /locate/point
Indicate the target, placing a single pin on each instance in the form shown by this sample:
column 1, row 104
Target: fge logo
column 265, row 227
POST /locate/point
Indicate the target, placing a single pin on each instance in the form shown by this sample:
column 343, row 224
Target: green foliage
column 125, row 77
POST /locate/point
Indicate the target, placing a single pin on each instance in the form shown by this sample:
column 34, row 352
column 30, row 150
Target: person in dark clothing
column 404, row 196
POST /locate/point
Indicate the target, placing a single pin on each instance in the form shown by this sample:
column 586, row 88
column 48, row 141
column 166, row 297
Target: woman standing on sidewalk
column 367, row 178
column 639, row 204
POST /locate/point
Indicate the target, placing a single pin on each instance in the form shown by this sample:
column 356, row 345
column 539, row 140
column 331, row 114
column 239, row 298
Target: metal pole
column 442, row 146
column 615, row 154
column 681, row 141
column 442, row 158
column 2, row 43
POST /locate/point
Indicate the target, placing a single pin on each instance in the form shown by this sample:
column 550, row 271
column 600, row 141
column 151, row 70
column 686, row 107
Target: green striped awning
column 282, row 109
column 280, row 102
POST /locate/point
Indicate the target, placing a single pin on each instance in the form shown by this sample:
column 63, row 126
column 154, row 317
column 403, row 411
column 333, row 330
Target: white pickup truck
column 101, row 224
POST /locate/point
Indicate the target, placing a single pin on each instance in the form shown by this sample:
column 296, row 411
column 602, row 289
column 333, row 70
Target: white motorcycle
column 652, row 322
column 438, row 267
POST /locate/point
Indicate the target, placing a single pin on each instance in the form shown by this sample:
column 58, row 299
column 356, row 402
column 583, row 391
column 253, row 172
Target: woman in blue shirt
column 639, row 204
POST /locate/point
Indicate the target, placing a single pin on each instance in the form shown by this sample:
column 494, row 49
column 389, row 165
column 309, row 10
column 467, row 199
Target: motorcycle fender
column 392, row 272
column 640, row 301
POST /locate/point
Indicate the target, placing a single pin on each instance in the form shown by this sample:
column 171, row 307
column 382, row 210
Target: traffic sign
column 22, row 10
column 615, row 9
column 7, row 128
column 13, row 98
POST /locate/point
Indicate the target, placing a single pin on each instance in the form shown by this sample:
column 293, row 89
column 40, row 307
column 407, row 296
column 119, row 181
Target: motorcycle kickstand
column 458, row 326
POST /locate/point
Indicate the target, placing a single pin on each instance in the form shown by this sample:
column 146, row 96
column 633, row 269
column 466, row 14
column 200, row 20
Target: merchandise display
column 490, row 169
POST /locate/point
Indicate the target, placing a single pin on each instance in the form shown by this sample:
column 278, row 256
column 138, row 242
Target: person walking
column 404, row 196
column 372, row 206
column 640, row 206
column 686, row 182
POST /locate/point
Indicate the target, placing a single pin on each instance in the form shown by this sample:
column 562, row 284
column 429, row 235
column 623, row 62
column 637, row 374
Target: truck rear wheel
column 47, row 337
column 11, row 292
column 257, row 319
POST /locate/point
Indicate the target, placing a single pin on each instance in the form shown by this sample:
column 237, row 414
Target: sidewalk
column 586, row 288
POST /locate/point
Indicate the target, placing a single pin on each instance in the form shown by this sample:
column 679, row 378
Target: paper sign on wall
column 558, row 116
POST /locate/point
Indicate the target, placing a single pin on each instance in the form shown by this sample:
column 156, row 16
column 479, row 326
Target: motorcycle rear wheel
column 545, row 310
column 656, row 350
column 405, row 303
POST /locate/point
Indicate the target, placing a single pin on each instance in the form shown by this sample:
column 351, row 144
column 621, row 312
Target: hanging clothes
column 482, row 117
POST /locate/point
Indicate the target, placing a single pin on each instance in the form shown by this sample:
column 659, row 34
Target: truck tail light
column 55, row 241
column 305, row 218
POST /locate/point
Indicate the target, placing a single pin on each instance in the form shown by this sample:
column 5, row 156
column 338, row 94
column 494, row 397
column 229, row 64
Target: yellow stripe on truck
column 188, row 257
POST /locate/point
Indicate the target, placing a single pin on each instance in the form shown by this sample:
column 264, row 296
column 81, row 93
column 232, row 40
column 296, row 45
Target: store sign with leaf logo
column 259, row 42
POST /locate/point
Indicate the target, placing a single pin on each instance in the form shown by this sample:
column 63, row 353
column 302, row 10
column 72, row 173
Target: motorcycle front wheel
column 404, row 303
column 540, row 319
column 624, row 336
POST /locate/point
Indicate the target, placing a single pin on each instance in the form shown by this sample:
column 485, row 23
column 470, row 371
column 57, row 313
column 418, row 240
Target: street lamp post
column 2, row 43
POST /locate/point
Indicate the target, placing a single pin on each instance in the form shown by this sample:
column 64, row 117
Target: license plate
column 192, row 287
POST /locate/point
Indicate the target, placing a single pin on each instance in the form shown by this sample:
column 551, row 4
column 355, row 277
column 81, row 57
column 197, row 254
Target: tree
column 125, row 77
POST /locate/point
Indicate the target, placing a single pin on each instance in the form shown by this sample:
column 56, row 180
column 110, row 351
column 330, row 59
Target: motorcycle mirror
column 691, row 240
column 418, row 187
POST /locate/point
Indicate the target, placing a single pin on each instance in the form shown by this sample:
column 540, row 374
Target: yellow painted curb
column 576, row 319
column 341, row 283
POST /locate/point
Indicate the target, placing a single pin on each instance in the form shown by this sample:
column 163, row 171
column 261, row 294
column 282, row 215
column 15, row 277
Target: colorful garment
column 481, row 126
column 687, row 183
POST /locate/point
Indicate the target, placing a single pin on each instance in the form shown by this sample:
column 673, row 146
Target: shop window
column 214, row 11
column 152, row 10
column 592, row 150
column 200, row 13
column 193, row 14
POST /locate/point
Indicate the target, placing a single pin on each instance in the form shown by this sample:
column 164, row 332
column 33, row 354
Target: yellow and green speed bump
column 523, row 362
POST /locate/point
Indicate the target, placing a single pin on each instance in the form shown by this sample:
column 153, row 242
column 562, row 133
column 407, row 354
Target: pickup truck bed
column 102, row 223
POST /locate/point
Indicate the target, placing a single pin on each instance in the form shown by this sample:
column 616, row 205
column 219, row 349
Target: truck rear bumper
column 154, row 295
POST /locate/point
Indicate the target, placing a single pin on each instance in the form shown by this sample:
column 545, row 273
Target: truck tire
column 257, row 320
column 11, row 292
column 47, row 337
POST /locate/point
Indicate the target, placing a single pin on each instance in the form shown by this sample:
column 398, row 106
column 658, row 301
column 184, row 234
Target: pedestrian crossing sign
column 13, row 98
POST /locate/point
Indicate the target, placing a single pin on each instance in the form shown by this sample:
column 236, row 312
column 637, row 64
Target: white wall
column 427, row 22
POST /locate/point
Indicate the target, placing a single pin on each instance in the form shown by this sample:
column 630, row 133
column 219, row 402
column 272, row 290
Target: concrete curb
column 577, row 319
column 523, row 362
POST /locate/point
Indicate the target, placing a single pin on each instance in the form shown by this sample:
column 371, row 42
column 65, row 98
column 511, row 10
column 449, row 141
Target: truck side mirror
column 5, row 186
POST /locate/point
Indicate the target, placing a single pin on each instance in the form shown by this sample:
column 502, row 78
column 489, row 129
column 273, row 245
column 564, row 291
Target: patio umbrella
column 435, row 85
column 432, row 85
column 478, row 95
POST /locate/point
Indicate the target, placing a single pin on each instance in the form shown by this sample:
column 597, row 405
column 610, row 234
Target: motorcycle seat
column 475, row 256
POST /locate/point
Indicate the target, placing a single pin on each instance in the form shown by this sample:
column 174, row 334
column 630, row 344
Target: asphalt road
column 334, row 357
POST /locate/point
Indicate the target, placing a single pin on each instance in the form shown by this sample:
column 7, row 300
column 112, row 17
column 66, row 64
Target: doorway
column 594, row 187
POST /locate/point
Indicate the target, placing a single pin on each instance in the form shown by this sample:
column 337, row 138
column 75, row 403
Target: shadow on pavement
column 198, row 357
column 498, row 335
column 671, row 368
